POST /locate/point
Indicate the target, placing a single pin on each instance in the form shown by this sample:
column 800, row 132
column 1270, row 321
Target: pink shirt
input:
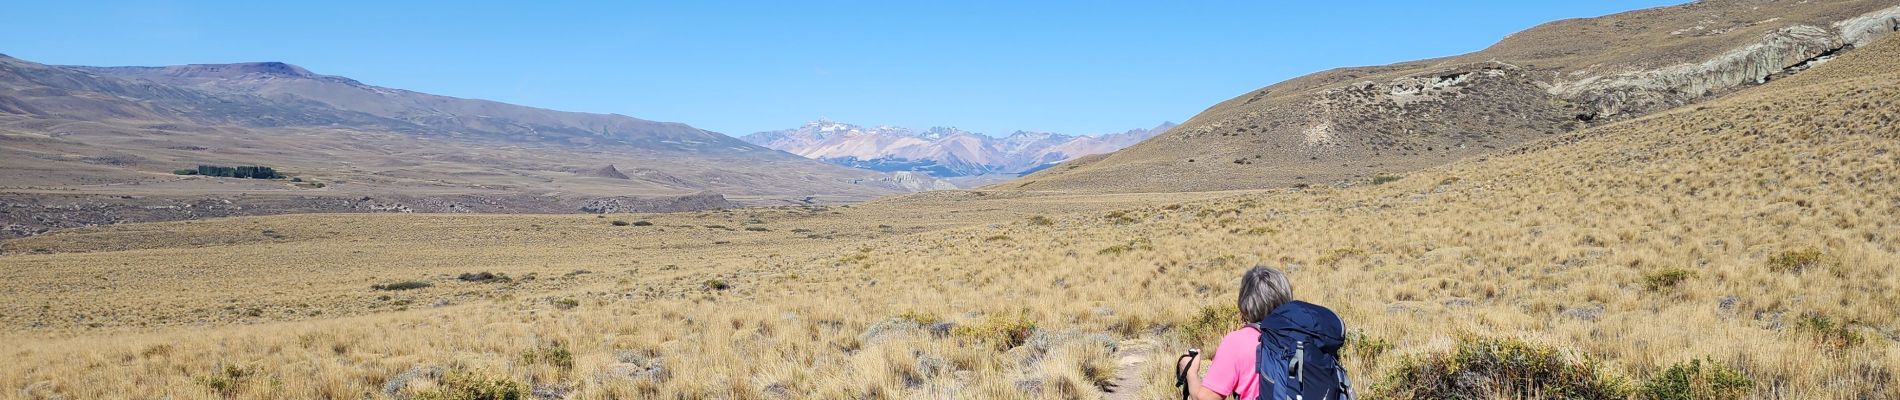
column 1231, row 372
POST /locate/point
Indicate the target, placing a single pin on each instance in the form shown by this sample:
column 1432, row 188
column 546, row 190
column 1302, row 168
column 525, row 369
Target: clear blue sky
column 741, row 67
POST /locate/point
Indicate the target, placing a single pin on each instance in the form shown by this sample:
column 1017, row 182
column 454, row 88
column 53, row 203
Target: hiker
column 1299, row 351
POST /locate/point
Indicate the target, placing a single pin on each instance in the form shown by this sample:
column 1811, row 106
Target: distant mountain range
column 84, row 145
column 941, row 151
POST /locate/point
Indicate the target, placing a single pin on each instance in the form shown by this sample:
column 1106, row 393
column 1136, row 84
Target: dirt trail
column 1131, row 358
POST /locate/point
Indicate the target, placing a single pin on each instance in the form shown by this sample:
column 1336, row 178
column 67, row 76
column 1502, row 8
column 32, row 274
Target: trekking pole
column 1183, row 367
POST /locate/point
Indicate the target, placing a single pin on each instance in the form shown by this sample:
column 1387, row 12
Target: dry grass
column 1556, row 246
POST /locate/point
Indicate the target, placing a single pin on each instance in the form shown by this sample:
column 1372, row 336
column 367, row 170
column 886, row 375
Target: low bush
column 227, row 381
column 1666, row 278
column 1384, row 179
column 997, row 238
column 1698, row 380
column 1002, row 330
column 463, row 385
column 1365, row 349
column 1209, row 324
column 483, row 276
column 642, row 223
column 619, row 223
column 1041, row 221
column 757, row 229
column 404, row 285
column 566, row 304
column 554, row 354
column 1795, row 261
column 715, row 284
column 1827, row 331
column 1501, row 368
column 248, row 171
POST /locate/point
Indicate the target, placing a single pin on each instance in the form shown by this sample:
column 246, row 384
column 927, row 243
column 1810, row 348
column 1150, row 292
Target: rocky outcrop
column 1641, row 92
column 917, row 182
column 627, row 204
column 1858, row 31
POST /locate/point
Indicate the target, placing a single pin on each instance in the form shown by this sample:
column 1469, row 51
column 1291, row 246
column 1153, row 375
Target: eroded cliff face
column 1355, row 123
column 1780, row 52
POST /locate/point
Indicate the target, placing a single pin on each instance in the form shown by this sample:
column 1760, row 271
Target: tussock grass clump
column 715, row 284
column 1002, row 330
column 1041, row 221
column 1501, row 368
column 1666, row 279
column 1384, row 179
column 464, row 385
column 1796, row 261
column 1698, row 380
column 404, row 285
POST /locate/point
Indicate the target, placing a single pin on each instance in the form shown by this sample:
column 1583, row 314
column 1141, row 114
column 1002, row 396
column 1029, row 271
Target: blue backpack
column 1298, row 358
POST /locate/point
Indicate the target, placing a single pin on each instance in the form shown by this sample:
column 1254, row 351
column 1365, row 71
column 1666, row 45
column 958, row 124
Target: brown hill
column 606, row 172
column 1558, row 77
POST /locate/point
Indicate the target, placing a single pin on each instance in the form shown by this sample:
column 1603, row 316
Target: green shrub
column 554, row 354
column 462, row 385
column 226, row 382
column 1795, row 261
column 757, row 229
column 1666, row 278
column 920, row 317
column 1366, row 349
column 252, row 172
column 619, row 223
column 1838, row 335
column 1211, row 323
column 642, row 223
column 405, row 285
column 184, row 172
column 1004, row 331
column 1697, row 380
column 1384, row 179
column 1501, row 368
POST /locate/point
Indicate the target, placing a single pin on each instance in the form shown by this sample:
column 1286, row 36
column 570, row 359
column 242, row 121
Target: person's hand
column 1188, row 364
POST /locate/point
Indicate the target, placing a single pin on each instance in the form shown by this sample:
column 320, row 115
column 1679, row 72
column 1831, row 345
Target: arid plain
column 1754, row 234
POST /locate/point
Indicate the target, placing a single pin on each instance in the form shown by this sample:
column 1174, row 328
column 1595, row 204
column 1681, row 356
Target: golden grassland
column 1757, row 232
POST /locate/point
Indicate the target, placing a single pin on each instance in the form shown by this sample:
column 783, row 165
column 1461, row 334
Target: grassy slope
column 1550, row 243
